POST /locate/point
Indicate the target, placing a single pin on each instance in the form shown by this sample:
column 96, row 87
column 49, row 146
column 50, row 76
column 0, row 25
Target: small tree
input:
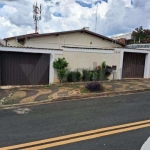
column 140, row 35
column 61, row 64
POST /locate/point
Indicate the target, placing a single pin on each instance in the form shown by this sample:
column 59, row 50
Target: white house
column 28, row 59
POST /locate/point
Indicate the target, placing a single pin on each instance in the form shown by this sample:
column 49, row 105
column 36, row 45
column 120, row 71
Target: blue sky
column 113, row 16
column 57, row 14
column 89, row 5
column 84, row 4
column 1, row 5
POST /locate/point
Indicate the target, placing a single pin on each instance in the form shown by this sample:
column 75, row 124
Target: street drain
column 22, row 111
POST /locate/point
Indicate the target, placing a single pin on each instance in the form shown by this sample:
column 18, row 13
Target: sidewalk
column 28, row 94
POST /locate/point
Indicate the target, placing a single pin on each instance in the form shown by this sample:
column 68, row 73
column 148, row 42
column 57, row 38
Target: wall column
column 0, row 69
column 147, row 66
column 51, row 69
column 121, row 63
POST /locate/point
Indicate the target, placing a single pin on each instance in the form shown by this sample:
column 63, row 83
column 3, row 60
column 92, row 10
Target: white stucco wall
column 82, row 60
column 126, row 36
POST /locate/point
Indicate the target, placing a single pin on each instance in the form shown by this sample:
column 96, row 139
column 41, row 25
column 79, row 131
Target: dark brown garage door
column 133, row 65
column 24, row 68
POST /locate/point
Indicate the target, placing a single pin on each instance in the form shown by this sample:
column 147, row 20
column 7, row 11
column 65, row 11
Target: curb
column 61, row 99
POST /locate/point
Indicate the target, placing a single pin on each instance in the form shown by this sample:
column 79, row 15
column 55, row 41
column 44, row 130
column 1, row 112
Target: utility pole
column 96, row 18
column 36, row 15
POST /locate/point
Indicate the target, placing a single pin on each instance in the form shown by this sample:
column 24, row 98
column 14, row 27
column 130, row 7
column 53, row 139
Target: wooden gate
column 133, row 65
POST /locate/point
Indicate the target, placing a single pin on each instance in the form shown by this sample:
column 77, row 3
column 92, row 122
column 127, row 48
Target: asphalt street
column 70, row 117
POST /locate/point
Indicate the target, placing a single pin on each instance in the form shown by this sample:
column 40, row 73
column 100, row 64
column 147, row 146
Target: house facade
column 82, row 49
column 28, row 59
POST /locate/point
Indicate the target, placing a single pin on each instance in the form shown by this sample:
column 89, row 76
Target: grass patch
column 83, row 90
column 47, row 86
column 52, row 87
column 75, row 86
column 103, row 88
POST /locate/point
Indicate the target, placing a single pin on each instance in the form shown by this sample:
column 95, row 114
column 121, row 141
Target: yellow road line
column 73, row 135
column 86, row 137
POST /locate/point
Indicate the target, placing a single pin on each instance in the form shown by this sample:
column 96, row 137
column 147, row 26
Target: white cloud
column 114, row 17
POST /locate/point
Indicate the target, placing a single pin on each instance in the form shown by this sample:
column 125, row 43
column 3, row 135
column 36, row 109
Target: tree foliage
column 140, row 35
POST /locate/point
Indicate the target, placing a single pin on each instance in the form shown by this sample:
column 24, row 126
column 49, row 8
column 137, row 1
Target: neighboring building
column 126, row 36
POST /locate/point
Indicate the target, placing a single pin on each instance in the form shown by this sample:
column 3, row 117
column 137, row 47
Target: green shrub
column 105, row 71
column 74, row 76
column 103, row 65
column 108, row 71
column 85, row 75
column 61, row 73
column 93, row 75
column 61, row 64
column 94, row 87
column 90, row 75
